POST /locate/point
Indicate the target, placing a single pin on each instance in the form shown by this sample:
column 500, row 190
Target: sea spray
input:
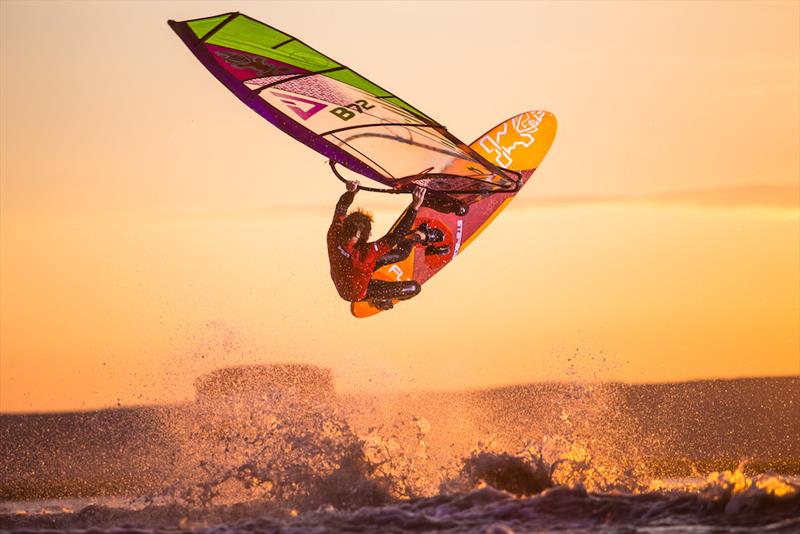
column 273, row 434
column 281, row 434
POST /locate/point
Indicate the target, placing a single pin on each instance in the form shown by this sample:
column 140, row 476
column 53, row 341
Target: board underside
column 519, row 144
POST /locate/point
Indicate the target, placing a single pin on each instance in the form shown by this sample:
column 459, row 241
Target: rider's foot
column 428, row 234
column 437, row 250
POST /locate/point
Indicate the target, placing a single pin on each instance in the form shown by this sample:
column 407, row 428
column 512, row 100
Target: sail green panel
column 201, row 27
column 246, row 34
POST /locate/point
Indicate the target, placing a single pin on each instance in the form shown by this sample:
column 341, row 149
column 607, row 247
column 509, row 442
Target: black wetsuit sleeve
column 401, row 229
column 403, row 226
column 341, row 207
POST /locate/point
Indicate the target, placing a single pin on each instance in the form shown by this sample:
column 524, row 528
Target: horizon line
column 772, row 197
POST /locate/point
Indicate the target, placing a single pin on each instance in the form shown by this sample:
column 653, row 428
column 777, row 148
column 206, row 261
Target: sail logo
column 358, row 106
column 260, row 65
column 302, row 107
column 524, row 126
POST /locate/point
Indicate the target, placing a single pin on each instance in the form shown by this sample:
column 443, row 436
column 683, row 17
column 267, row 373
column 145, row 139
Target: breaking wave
column 276, row 449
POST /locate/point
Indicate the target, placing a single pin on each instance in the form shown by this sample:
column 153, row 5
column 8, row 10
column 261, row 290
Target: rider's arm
column 403, row 226
column 344, row 202
column 341, row 207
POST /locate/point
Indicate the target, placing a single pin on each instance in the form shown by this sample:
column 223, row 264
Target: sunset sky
column 153, row 228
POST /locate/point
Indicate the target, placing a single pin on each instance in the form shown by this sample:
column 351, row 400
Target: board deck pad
column 519, row 144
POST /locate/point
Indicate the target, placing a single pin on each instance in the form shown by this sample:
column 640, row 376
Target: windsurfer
column 353, row 259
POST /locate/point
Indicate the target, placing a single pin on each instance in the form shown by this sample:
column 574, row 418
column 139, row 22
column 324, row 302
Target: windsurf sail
column 336, row 111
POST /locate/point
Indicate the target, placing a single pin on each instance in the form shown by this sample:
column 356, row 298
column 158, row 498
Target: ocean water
column 299, row 458
column 725, row 502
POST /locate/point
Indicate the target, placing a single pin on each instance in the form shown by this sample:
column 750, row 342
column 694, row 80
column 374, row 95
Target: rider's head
column 357, row 224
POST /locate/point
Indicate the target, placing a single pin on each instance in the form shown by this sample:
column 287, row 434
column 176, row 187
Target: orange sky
column 153, row 228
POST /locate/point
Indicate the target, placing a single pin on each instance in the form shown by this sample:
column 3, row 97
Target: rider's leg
column 381, row 293
column 398, row 253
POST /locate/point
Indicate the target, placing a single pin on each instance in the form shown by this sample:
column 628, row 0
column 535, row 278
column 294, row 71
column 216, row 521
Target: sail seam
column 298, row 77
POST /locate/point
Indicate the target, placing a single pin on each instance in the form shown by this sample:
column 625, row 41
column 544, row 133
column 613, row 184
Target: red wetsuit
column 352, row 266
